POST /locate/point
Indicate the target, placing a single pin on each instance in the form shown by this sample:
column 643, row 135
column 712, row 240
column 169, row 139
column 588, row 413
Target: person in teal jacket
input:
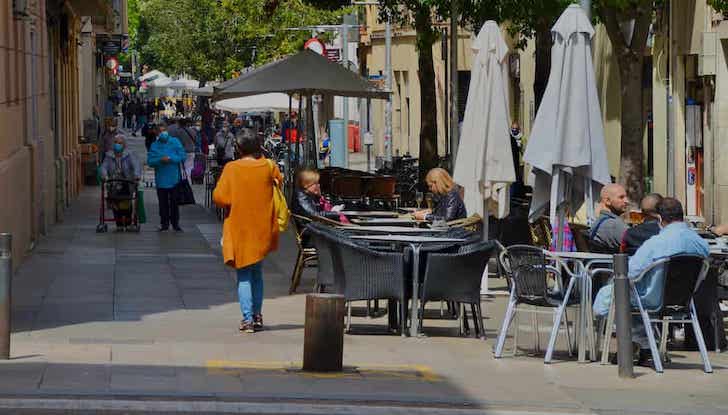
column 166, row 156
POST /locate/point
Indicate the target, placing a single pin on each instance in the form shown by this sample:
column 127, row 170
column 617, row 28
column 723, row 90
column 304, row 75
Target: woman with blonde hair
column 308, row 200
column 250, row 230
column 446, row 197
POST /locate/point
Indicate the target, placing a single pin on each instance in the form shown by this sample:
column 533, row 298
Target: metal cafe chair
column 529, row 270
column 683, row 275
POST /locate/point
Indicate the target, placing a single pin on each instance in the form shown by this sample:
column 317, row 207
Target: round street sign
column 112, row 64
column 315, row 45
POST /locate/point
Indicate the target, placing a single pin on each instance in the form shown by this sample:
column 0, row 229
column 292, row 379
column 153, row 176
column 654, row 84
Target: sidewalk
column 154, row 315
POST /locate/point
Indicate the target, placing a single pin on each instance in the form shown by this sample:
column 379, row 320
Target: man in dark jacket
column 634, row 237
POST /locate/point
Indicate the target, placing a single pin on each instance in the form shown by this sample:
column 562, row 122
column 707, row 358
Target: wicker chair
column 324, row 238
column 368, row 275
column 529, row 270
column 306, row 254
column 456, row 277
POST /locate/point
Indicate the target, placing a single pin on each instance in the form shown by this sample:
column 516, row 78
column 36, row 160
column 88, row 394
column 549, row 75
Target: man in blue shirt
column 166, row 156
column 675, row 238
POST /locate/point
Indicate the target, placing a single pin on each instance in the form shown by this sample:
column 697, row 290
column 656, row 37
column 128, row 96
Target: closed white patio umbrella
column 484, row 163
column 566, row 147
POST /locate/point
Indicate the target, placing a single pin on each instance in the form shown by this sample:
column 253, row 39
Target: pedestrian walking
column 128, row 115
column 121, row 163
column 224, row 145
column 187, row 136
column 149, row 107
column 166, row 156
column 141, row 116
column 250, row 230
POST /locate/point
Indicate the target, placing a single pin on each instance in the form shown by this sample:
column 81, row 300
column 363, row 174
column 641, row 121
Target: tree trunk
column 632, row 151
column 630, row 56
column 543, row 63
column 428, row 102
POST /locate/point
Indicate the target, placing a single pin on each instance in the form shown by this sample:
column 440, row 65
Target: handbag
column 183, row 190
column 280, row 207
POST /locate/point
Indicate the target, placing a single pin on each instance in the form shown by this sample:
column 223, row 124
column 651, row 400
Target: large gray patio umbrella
column 305, row 73
column 566, row 148
column 484, row 163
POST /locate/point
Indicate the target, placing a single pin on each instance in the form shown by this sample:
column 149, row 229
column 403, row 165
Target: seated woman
column 120, row 164
column 446, row 196
column 308, row 200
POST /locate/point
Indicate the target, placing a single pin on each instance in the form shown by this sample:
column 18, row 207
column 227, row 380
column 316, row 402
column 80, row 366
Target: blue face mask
column 164, row 137
column 118, row 148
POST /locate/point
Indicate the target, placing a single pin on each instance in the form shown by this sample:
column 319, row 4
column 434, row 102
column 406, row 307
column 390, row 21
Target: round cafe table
column 585, row 261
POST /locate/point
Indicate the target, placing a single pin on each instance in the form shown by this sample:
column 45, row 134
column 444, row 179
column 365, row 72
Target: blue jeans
column 250, row 290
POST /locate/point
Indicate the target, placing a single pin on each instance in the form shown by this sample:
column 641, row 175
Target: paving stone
column 78, row 377
column 147, row 378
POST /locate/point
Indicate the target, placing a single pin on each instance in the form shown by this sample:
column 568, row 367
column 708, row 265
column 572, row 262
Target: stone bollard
column 323, row 343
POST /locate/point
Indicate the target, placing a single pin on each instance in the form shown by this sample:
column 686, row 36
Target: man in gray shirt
column 607, row 231
column 186, row 135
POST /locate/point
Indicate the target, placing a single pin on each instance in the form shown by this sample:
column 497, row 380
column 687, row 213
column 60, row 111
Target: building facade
column 40, row 112
column 685, row 99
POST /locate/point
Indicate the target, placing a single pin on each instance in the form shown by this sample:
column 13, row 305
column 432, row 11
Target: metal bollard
column 623, row 317
column 6, row 273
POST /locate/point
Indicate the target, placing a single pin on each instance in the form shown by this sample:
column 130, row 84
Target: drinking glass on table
column 419, row 197
column 438, row 222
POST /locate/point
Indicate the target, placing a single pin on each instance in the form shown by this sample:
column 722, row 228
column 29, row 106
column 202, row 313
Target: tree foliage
column 210, row 39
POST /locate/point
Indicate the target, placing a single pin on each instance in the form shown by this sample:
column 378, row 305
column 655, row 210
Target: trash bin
column 354, row 138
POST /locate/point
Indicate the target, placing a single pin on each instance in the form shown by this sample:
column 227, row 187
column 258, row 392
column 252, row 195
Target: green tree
column 209, row 39
column 419, row 15
column 629, row 49
column 528, row 19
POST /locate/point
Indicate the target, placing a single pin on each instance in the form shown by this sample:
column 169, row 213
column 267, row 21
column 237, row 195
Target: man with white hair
column 609, row 228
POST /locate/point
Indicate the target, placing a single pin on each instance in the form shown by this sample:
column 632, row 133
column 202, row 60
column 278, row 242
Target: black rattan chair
column 368, row 275
column 456, row 277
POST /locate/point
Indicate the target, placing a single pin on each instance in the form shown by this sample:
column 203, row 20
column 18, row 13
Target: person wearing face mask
column 224, row 145
column 165, row 156
column 120, row 164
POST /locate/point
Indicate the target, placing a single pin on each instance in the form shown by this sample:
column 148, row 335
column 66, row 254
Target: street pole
column 623, row 317
column 454, row 107
column 388, row 86
column 345, row 58
column 6, row 274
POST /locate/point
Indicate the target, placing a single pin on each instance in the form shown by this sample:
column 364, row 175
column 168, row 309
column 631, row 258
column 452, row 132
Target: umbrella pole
column 299, row 132
column 589, row 197
column 484, row 290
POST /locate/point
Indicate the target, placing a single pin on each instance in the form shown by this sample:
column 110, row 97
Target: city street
column 151, row 319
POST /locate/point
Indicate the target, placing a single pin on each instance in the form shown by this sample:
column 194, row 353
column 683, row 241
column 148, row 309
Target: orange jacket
column 250, row 230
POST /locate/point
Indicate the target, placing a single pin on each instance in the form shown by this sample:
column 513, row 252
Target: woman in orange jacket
column 250, row 230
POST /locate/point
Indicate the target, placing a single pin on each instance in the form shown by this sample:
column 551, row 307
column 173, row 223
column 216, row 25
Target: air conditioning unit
column 707, row 57
column 20, row 9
